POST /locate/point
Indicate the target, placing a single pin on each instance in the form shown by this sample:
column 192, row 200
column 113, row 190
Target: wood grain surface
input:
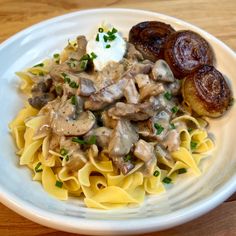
column 218, row 17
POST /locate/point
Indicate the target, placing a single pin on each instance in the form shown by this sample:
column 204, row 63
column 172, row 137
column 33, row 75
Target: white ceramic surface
column 189, row 198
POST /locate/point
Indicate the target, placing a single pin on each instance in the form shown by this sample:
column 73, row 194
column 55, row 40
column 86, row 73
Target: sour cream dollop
column 108, row 45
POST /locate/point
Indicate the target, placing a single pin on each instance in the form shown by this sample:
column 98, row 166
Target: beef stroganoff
column 110, row 119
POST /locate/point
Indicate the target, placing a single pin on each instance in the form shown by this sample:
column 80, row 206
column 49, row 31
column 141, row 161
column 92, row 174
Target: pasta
column 80, row 165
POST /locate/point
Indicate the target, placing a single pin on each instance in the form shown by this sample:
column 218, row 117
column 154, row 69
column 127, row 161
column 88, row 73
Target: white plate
column 188, row 199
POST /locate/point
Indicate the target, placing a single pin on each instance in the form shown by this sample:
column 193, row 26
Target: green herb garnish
column 172, row 126
column 97, row 38
column 190, row 129
column 85, row 57
column 58, row 184
column 127, row 158
column 168, row 95
column 108, row 46
column 167, row 180
column 63, row 152
column 182, row 171
column 66, row 77
column 41, row 73
column 58, row 89
column 93, row 55
column 39, row 65
column 91, row 140
column 174, row 109
column 73, row 84
column 156, row 173
column 78, row 140
column 100, row 30
column 37, row 168
column 159, row 128
column 193, row 145
column 56, row 55
column 73, row 100
column 105, row 37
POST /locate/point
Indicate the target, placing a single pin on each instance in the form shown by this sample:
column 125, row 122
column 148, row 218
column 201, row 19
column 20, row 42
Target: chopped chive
column 58, row 184
column 127, row 158
column 85, row 57
column 182, row 171
column 92, row 140
column 100, row 30
column 159, row 128
column 108, row 46
column 193, row 145
column 63, row 152
column 39, row 65
column 112, row 37
column 41, row 73
column 73, row 100
column 231, row 102
column 114, row 30
column 172, row 126
column 168, row 95
column 66, row 77
column 93, row 55
column 174, row 109
column 83, row 64
column 67, row 158
column 78, row 140
column 156, row 173
column 167, row 180
column 56, row 55
column 58, row 89
column 97, row 38
column 73, row 84
column 37, row 168
column 105, row 38
column 190, row 129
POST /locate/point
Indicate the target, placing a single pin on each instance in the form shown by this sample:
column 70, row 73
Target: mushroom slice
column 106, row 96
column 145, row 152
column 135, row 112
column 122, row 139
column 108, row 121
column 102, row 135
column 162, row 72
column 130, row 92
column 152, row 89
column 86, row 87
column 65, row 120
column 172, row 141
column 124, row 166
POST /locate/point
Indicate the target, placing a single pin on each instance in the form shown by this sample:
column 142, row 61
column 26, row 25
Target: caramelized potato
column 206, row 92
column 185, row 51
column 149, row 38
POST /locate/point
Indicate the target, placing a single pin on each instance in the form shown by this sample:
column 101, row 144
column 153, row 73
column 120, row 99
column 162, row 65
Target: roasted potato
column 206, row 92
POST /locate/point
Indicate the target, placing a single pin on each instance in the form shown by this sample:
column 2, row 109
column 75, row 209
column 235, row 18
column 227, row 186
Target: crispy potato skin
column 185, row 51
column 206, row 92
column 149, row 38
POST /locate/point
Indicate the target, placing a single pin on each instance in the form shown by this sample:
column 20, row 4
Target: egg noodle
column 100, row 184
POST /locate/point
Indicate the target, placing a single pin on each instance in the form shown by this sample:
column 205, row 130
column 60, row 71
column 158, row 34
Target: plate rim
column 95, row 226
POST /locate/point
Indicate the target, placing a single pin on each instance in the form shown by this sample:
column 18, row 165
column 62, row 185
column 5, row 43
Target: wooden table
column 218, row 17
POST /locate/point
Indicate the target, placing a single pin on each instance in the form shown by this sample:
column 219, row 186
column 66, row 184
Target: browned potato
column 149, row 38
column 206, row 92
column 186, row 51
